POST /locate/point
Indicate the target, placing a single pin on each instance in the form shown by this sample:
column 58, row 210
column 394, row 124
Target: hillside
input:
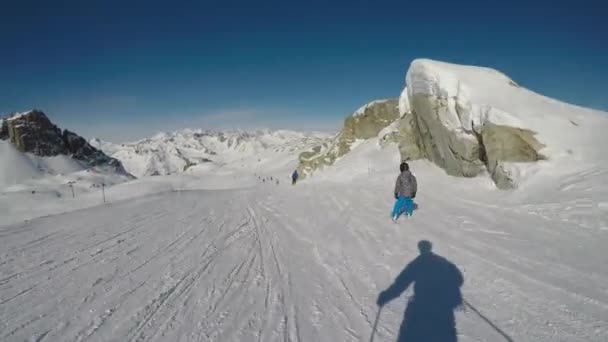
column 37, row 156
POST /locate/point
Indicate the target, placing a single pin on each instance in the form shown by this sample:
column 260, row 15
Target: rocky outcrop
column 367, row 122
column 408, row 138
column 462, row 137
column 81, row 150
column 34, row 133
column 439, row 120
column 503, row 144
column 449, row 146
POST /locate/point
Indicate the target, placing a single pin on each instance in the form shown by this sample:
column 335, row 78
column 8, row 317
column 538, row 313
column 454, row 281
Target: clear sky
column 121, row 70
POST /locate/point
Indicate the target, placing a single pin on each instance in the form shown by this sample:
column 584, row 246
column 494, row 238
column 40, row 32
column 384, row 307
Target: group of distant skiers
column 294, row 178
column 268, row 179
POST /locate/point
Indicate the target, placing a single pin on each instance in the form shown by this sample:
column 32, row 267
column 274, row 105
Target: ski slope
column 262, row 262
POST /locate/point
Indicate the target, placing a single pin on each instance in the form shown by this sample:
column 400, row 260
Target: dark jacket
column 406, row 185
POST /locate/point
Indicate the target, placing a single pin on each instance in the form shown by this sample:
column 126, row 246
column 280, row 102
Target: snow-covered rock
column 363, row 109
column 472, row 119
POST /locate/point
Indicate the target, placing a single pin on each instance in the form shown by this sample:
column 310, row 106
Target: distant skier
column 294, row 177
column 405, row 190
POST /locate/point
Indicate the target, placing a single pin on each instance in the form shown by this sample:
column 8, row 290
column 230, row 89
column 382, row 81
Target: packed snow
column 257, row 261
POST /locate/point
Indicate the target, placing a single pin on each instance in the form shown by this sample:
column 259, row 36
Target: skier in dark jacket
column 294, row 177
column 405, row 190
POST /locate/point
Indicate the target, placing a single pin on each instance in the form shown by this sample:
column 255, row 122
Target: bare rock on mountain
column 408, row 138
column 367, row 122
column 462, row 136
column 33, row 132
column 504, row 144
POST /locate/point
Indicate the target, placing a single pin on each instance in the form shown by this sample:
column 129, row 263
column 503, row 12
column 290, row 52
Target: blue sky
column 123, row 71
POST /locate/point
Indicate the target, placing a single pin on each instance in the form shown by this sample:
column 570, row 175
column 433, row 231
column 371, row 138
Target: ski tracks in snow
column 289, row 264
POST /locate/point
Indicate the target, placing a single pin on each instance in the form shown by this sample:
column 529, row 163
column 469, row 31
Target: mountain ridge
column 180, row 151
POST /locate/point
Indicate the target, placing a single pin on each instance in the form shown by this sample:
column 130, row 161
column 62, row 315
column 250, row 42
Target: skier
column 294, row 177
column 405, row 190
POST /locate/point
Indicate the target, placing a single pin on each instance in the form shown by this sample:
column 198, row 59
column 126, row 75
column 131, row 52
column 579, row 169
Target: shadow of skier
column 429, row 315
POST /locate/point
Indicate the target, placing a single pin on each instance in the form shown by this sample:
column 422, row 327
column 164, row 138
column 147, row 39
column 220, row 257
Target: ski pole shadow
column 487, row 320
column 429, row 315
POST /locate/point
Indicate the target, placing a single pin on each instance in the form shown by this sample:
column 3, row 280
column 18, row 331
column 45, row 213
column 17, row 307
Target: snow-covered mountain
column 36, row 155
column 195, row 151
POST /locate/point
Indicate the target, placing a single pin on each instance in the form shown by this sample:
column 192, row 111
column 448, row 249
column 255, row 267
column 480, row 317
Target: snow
column 107, row 147
column 33, row 186
column 170, row 259
column 18, row 115
column 15, row 167
column 170, row 153
column 362, row 109
column 392, row 128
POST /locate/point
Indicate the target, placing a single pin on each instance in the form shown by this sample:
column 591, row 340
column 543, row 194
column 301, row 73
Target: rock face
column 408, row 138
column 463, row 137
column 34, row 133
column 504, row 144
column 445, row 142
column 367, row 122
